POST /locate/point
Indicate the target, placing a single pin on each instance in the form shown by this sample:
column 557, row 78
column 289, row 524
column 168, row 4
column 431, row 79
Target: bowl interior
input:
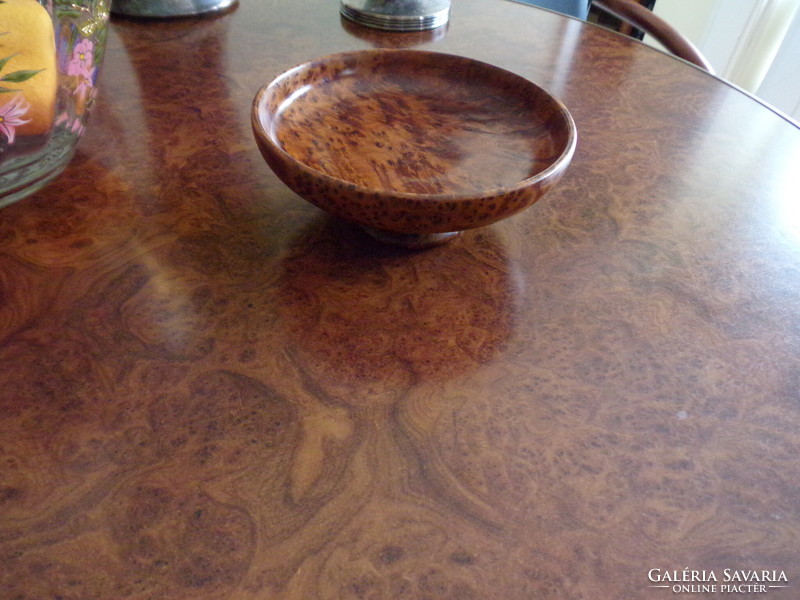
column 409, row 121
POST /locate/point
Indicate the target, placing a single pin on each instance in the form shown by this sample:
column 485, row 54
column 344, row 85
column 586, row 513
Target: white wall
column 691, row 17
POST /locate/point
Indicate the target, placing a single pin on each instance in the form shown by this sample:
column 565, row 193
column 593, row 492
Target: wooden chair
column 636, row 15
column 646, row 20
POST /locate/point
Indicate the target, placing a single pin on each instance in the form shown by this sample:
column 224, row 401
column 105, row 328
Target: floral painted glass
column 50, row 55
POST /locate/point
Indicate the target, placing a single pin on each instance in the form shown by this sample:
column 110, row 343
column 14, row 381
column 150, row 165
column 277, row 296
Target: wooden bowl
column 414, row 146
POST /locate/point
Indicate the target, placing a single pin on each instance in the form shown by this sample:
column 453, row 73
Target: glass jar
column 50, row 57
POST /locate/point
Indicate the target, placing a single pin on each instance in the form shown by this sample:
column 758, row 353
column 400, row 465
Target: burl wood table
column 209, row 389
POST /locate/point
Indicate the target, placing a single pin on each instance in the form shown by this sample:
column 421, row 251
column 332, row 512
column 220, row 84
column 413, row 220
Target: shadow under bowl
column 414, row 146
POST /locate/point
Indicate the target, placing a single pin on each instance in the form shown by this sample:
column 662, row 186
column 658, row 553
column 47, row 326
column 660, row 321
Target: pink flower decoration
column 10, row 117
column 84, row 89
column 82, row 61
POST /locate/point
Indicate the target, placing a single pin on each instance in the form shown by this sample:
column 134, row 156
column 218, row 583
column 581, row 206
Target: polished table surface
column 209, row 389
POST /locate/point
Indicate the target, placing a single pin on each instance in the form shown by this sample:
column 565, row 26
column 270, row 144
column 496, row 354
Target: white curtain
column 754, row 44
column 781, row 85
column 760, row 43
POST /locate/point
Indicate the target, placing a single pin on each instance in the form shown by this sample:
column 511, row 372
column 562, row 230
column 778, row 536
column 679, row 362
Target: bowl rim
column 558, row 165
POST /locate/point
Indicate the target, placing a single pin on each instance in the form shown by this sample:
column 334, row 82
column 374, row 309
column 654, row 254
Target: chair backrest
column 649, row 22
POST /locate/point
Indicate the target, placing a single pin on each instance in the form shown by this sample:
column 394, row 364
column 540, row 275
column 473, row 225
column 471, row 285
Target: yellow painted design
column 27, row 37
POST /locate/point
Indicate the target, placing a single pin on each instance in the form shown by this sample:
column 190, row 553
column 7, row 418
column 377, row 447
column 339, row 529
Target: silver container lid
column 169, row 8
column 397, row 15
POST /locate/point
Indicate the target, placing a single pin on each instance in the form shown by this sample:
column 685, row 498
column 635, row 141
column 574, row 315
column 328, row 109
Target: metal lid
column 169, row 8
column 397, row 15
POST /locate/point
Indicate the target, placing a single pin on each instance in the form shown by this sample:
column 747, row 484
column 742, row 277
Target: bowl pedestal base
column 412, row 241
